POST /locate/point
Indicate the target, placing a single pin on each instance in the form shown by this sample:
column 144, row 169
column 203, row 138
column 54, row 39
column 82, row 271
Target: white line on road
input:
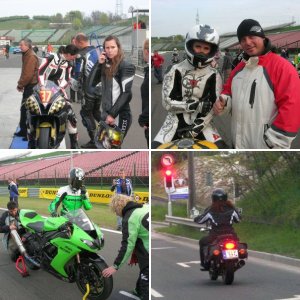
column 129, row 295
column 139, row 76
column 186, row 264
column 156, row 294
column 295, row 298
column 162, row 248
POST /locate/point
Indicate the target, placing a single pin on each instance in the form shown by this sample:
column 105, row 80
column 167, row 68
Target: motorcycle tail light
column 242, row 251
column 229, row 245
column 216, row 252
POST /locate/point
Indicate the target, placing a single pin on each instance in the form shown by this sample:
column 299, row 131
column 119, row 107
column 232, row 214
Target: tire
column 100, row 287
column 228, row 274
column 43, row 141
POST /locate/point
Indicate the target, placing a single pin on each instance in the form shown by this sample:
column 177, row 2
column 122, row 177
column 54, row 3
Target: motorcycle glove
column 191, row 105
column 83, row 190
column 198, row 126
column 54, row 214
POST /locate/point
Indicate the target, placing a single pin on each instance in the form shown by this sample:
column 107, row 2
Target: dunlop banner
column 96, row 196
column 23, row 192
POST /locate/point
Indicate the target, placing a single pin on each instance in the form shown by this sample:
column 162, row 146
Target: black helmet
column 219, row 195
column 108, row 137
column 76, row 178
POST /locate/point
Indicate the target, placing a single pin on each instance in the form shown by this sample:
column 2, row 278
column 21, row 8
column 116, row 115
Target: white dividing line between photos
column 156, row 294
column 162, row 248
column 186, row 264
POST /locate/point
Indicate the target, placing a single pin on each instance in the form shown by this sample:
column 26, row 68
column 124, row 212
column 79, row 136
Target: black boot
column 90, row 144
column 74, row 140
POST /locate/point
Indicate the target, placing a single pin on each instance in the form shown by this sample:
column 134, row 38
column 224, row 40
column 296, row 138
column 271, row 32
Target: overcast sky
column 171, row 17
column 40, row 7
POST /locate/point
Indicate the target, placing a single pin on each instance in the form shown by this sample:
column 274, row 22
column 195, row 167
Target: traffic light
column 169, row 178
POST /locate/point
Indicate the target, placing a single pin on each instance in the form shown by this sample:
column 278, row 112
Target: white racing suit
column 188, row 94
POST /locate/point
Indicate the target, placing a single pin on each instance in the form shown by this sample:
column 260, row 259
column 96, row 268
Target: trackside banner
column 23, row 192
column 96, row 196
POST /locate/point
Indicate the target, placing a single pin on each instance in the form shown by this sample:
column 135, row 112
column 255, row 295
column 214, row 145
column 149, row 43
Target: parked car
column 17, row 50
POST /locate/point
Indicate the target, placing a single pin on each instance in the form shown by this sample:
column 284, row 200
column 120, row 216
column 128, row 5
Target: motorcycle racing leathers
column 57, row 69
column 116, row 95
column 70, row 199
column 188, row 94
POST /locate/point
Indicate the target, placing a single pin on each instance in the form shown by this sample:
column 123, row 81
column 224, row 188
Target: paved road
column 41, row 285
column 158, row 113
column 10, row 100
column 257, row 280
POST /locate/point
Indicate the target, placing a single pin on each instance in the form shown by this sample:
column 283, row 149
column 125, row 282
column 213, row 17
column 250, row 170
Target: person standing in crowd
column 117, row 77
column 28, row 79
column 190, row 89
column 13, row 190
column 7, row 47
column 90, row 110
column 122, row 186
column 135, row 241
column 157, row 61
column 227, row 65
column 262, row 94
column 57, row 68
column 144, row 116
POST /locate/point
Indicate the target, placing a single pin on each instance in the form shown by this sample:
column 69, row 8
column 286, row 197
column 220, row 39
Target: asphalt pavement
column 10, row 100
column 42, row 285
column 158, row 112
column 176, row 275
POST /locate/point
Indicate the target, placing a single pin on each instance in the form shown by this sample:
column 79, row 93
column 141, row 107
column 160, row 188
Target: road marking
column 162, row 248
column 129, row 295
column 186, row 264
column 156, row 294
column 295, row 298
column 139, row 76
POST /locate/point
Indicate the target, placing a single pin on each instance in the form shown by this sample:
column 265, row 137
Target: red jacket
column 157, row 60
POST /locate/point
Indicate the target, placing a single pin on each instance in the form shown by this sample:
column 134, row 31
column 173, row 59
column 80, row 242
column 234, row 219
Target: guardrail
column 183, row 221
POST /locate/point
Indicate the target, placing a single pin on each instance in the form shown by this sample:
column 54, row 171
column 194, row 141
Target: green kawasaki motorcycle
column 67, row 247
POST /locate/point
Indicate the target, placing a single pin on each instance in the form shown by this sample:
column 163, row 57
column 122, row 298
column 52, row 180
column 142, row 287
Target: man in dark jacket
column 28, row 79
column 135, row 240
column 144, row 116
column 10, row 221
column 13, row 190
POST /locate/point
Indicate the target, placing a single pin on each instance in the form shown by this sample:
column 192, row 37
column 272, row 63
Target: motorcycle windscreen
column 80, row 218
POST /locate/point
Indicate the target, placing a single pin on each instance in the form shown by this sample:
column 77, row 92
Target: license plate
column 230, row 254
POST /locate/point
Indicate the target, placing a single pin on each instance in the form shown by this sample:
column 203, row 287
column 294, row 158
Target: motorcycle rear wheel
column 43, row 141
column 100, row 287
column 228, row 274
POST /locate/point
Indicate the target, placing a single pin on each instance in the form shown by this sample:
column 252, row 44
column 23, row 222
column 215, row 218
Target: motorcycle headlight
column 57, row 105
column 89, row 243
column 32, row 106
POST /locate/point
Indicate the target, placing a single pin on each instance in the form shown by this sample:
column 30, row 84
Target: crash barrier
column 96, row 196
column 183, row 221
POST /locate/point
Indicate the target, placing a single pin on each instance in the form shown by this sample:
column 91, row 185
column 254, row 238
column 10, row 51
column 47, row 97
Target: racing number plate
column 45, row 96
column 230, row 254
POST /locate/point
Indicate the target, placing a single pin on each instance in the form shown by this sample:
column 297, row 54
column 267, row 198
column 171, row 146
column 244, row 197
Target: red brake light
column 229, row 245
column 168, row 172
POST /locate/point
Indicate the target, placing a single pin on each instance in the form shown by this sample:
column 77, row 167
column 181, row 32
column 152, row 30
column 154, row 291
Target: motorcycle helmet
column 203, row 33
column 108, row 137
column 76, row 178
column 219, row 195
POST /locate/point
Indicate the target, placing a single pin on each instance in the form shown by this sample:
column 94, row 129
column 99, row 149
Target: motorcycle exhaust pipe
column 18, row 241
column 21, row 248
column 240, row 264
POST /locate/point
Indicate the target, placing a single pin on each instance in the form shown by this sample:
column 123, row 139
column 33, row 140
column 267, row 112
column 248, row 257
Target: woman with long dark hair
column 221, row 215
column 116, row 76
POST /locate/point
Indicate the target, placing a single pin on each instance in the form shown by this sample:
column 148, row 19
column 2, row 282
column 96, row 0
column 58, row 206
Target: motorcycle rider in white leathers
column 190, row 89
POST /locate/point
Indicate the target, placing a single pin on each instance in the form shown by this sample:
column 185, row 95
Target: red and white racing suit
column 263, row 97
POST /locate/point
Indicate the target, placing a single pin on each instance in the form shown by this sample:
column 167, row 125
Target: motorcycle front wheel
column 100, row 287
column 43, row 141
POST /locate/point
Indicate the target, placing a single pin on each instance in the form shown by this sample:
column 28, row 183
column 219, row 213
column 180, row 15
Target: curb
column 295, row 262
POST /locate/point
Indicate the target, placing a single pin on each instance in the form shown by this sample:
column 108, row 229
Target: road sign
column 167, row 160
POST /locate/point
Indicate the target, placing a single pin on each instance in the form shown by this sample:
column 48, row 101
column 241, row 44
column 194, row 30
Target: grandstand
column 106, row 164
column 41, row 36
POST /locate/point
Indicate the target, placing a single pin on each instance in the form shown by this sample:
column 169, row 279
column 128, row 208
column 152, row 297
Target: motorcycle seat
column 225, row 236
column 37, row 226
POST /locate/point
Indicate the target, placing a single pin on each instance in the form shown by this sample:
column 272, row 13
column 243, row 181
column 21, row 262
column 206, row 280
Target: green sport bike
column 67, row 247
